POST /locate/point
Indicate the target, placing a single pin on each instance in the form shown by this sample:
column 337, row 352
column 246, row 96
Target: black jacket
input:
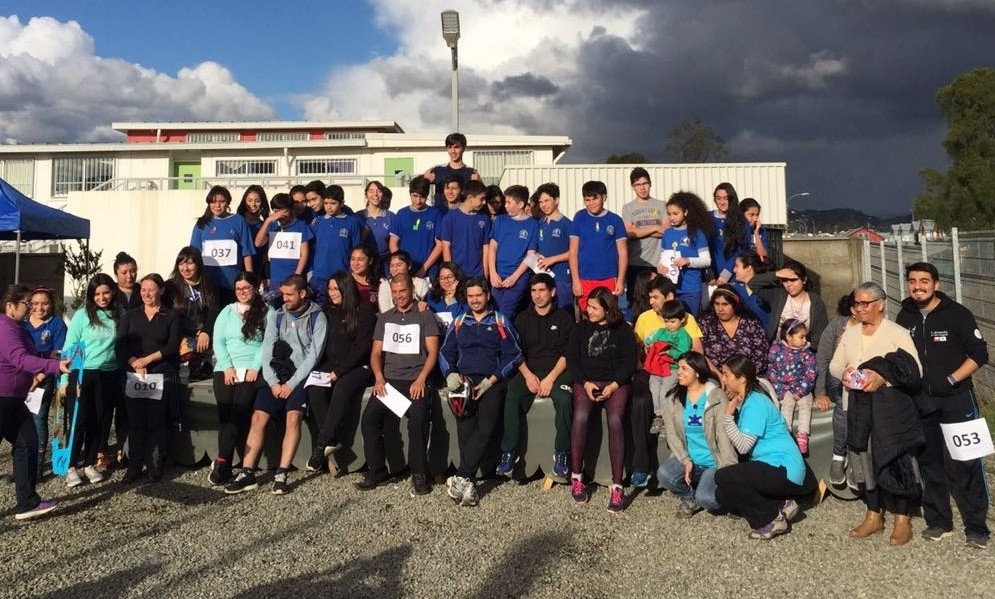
column 344, row 352
column 944, row 337
column 889, row 419
column 543, row 338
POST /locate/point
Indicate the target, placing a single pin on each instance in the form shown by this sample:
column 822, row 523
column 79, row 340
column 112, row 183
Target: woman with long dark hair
column 730, row 232
column 729, row 328
column 148, row 341
column 363, row 267
column 448, row 294
column 96, row 327
column 237, row 343
column 602, row 356
column 378, row 219
column 195, row 300
column 254, row 208
column 763, row 489
column 346, row 361
column 225, row 242
column 685, row 254
column 48, row 331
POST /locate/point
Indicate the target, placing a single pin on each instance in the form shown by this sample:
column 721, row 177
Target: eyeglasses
column 783, row 280
column 861, row 305
column 447, row 278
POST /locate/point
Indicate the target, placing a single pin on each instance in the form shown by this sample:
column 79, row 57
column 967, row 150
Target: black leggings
column 235, row 404
column 147, row 434
column 332, row 405
column 476, row 432
column 640, row 418
column 100, row 389
column 614, row 408
column 754, row 490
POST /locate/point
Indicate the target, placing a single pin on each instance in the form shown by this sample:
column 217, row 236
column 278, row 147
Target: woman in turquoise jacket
column 95, row 326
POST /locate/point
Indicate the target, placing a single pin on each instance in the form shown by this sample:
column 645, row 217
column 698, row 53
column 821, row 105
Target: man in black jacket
column 951, row 349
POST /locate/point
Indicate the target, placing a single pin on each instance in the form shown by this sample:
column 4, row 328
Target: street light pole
column 797, row 195
column 451, row 33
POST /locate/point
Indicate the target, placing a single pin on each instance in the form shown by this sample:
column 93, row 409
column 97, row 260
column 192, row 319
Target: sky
column 841, row 90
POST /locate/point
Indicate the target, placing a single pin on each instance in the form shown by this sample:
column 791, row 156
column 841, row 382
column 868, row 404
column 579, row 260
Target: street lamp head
column 450, row 27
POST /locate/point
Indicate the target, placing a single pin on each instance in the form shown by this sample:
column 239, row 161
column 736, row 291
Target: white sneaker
column 73, row 479
column 455, row 487
column 92, row 474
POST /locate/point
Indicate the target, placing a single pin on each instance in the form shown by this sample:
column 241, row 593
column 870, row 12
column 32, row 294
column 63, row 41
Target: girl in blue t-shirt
column 378, row 219
column 685, row 255
column 48, row 331
column 756, row 238
column 254, row 208
column 729, row 232
column 225, row 242
column 761, row 489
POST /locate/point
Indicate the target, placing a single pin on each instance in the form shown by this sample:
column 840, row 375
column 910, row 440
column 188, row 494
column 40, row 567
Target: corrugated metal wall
column 764, row 181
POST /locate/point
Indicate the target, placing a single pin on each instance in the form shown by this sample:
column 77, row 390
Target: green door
column 186, row 174
column 395, row 170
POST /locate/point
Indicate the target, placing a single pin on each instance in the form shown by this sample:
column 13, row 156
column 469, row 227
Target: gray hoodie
column 306, row 342
column 715, row 435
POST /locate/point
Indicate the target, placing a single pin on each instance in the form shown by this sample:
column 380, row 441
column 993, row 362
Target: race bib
column 402, row 338
column 220, row 252
column 667, row 260
column 969, row 440
column 149, row 387
column 286, row 245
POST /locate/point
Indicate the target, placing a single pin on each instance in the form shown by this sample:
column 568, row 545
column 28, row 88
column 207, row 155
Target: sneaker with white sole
column 507, row 464
column 777, row 526
column 73, row 479
column 790, row 509
column 39, row 510
column 935, row 533
column 455, row 487
column 93, row 475
column 837, row 472
column 280, row 486
column 470, row 497
column 245, row 481
column 976, row 541
column 560, row 467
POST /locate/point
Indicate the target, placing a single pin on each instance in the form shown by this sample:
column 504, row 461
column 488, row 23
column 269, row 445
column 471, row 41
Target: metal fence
column 966, row 263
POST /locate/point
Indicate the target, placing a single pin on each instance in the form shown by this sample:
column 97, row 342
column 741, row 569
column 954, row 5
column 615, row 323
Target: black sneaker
column 220, row 473
column 420, row 485
column 245, row 481
column 280, row 484
column 976, row 541
column 316, row 462
column 935, row 533
column 368, row 483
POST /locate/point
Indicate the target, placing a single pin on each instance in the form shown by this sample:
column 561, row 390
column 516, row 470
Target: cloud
column 53, row 87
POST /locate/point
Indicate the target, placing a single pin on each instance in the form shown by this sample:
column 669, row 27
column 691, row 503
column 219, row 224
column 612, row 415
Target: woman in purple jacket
column 20, row 371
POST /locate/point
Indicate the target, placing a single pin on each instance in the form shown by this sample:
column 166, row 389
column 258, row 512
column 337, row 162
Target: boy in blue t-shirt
column 455, row 146
column 414, row 230
column 554, row 243
column 335, row 234
column 464, row 232
column 514, row 236
column 289, row 242
column 599, row 255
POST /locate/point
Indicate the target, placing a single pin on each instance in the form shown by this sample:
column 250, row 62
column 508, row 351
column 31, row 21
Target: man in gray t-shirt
column 405, row 350
column 645, row 221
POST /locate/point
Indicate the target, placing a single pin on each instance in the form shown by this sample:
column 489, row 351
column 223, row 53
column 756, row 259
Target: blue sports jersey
column 554, row 239
column 676, row 238
column 282, row 267
column 751, row 242
column 599, row 236
column 379, row 227
column 223, row 260
column 442, row 174
column 415, row 233
column 334, row 238
column 515, row 238
column 760, row 417
column 467, row 235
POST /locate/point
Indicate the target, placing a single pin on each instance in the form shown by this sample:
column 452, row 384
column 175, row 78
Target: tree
column 693, row 141
column 964, row 195
column 81, row 265
column 627, row 158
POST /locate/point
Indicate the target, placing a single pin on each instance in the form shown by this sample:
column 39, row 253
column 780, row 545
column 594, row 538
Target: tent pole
column 17, row 259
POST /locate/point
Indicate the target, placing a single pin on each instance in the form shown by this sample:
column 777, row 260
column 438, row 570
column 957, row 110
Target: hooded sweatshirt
column 306, row 342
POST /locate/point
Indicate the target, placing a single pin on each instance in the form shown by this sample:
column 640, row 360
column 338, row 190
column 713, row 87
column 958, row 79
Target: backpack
column 310, row 322
column 499, row 320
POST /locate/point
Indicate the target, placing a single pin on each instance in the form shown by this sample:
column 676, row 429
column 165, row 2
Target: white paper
column 968, row 440
column 34, row 400
column 395, row 401
column 667, row 258
column 240, row 374
column 147, row 387
column 402, row 338
column 711, row 290
column 445, row 318
column 220, row 252
column 319, row 379
column 532, row 261
column 286, row 245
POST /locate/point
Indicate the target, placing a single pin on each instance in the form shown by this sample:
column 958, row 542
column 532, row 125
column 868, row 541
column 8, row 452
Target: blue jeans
column 702, row 488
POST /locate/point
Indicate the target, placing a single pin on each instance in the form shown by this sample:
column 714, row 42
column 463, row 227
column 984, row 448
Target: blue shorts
column 266, row 402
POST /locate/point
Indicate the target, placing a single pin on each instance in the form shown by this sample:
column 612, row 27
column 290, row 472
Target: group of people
column 296, row 305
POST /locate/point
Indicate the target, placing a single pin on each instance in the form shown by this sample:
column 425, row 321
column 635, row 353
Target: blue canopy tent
column 23, row 219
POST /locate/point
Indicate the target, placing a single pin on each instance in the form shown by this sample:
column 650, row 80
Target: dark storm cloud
column 842, row 90
column 525, row 84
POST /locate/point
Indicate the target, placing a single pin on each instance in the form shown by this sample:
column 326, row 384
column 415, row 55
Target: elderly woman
column 878, row 364
column 729, row 328
column 761, row 489
column 696, row 436
column 828, row 390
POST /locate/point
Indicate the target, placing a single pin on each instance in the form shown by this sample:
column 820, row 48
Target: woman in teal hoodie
column 95, row 326
column 238, row 348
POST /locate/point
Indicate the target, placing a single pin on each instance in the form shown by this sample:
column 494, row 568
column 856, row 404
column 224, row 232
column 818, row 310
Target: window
column 213, row 137
column 344, row 135
column 490, row 164
column 20, row 174
column 327, row 166
column 245, row 167
column 80, row 174
column 283, row 136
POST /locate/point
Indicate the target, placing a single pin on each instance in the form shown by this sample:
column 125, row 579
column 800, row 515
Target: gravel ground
column 183, row 538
